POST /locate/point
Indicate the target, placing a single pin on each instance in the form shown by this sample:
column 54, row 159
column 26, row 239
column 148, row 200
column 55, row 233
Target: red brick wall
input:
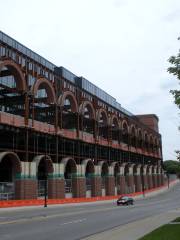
column 79, row 187
column 150, row 120
column 150, row 181
column 96, row 186
column 137, row 182
column 154, row 177
column 25, row 189
column 110, row 186
column 122, row 184
column 56, row 188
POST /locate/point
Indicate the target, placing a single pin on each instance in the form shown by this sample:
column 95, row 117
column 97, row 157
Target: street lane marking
column 75, row 221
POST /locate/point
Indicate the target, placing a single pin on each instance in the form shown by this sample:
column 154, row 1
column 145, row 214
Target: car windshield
column 123, row 198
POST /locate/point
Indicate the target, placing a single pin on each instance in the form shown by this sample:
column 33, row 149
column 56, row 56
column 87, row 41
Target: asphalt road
column 76, row 221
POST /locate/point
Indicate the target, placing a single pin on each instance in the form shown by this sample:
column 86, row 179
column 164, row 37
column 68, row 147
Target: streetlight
column 46, row 174
column 167, row 175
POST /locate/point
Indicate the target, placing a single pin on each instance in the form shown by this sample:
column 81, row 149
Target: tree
column 175, row 70
column 172, row 167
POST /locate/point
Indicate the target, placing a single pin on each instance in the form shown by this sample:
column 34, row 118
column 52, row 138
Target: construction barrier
column 38, row 202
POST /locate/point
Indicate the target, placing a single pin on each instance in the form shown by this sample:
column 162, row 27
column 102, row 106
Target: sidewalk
column 137, row 229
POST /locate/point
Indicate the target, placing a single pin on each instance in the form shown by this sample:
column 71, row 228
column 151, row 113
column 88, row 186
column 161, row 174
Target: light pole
column 46, row 174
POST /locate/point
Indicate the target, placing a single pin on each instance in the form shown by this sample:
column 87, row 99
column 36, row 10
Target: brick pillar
column 137, row 181
column 122, row 183
column 96, row 186
column 150, row 181
column 145, row 177
column 162, row 179
column 159, row 180
column 56, row 188
column 154, row 176
column 25, row 189
column 110, row 186
column 130, row 183
column 79, row 187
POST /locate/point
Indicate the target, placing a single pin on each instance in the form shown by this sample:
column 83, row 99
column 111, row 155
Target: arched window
column 103, row 124
column 125, row 134
column 140, row 139
column 87, row 117
column 115, row 129
column 43, row 104
column 146, row 142
column 133, row 137
column 12, row 88
column 68, row 110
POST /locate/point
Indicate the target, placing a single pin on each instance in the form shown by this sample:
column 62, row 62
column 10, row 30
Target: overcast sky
column 120, row 45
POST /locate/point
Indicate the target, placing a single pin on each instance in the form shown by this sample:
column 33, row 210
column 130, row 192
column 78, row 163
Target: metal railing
column 6, row 190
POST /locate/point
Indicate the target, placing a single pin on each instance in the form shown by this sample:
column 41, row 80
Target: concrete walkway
column 137, row 229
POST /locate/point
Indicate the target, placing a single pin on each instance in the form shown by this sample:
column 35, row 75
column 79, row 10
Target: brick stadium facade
column 60, row 129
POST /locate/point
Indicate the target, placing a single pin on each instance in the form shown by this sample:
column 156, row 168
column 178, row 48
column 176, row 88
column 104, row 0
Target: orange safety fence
column 38, row 202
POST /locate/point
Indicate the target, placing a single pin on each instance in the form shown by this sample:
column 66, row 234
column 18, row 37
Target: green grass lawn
column 166, row 232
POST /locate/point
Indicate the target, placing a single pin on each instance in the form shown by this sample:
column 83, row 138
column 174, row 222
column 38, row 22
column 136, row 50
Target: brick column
column 122, row 183
column 96, row 186
column 56, row 188
column 159, row 180
column 110, row 185
column 137, row 181
column 25, row 188
column 79, row 187
column 130, row 183
column 162, row 179
column 154, row 176
column 145, row 177
column 150, row 181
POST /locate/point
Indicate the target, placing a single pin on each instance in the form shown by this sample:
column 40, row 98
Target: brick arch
column 71, row 98
column 16, row 162
column 114, row 117
column 124, row 122
column 103, row 164
column 46, row 84
column 126, row 168
column 154, row 169
column 16, row 71
column 131, row 129
column 85, row 163
column 115, row 165
column 146, row 134
column 98, row 114
column 71, row 161
column 136, row 166
column 84, row 105
column 49, row 162
column 140, row 132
